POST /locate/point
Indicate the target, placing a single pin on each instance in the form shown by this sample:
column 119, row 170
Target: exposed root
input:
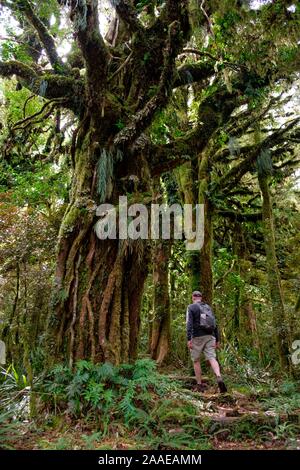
column 72, row 336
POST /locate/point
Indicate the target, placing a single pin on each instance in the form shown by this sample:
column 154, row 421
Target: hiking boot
column 200, row 388
column 222, row 386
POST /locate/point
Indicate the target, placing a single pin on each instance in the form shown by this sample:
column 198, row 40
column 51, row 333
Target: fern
column 91, row 440
column 84, row 365
column 93, row 393
column 107, row 372
column 143, row 367
column 126, row 405
column 8, row 431
column 125, row 392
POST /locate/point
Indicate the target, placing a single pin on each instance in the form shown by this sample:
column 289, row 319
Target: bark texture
column 276, row 294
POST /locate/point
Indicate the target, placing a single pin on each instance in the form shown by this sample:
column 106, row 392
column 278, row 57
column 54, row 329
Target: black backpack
column 207, row 318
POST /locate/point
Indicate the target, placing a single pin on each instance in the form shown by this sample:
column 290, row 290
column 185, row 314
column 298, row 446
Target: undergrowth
column 124, row 399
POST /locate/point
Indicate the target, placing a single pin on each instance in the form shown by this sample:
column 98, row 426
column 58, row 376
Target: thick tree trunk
column 246, row 316
column 250, row 314
column 99, row 283
column 206, row 258
column 279, row 321
column 161, row 326
column 199, row 265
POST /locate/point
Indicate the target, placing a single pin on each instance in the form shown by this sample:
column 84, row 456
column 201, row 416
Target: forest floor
column 247, row 417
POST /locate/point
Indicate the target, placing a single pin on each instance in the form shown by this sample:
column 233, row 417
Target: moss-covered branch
column 48, row 85
column 143, row 118
column 26, row 8
column 281, row 136
column 192, row 73
column 175, row 10
column 213, row 111
column 128, row 14
column 239, row 216
column 85, row 17
column 14, row 67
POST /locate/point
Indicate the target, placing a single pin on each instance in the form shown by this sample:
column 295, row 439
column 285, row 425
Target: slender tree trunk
column 294, row 321
column 236, row 324
column 250, row 314
column 10, row 330
column 246, row 315
column 161, row 327
column 279, row 321
column 206, row 259
column 186, row 177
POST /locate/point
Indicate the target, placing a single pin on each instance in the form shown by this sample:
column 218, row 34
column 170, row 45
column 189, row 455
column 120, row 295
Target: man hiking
column 203, row 336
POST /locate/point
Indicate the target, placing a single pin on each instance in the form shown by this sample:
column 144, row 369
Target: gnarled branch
column 25, row 7
column 144, row 117
column 192, row 73
column 175, row 10
column 48, row 85
column 128, row 14
column 84, row 14
column 230, row 179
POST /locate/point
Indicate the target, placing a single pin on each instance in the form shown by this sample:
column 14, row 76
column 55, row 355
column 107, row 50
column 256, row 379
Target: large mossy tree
column 99, row 284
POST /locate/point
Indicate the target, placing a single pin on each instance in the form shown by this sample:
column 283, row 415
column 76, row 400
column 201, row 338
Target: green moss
column 69, row 221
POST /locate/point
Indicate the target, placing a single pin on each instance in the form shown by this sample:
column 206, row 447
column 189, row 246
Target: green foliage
column 10, row 50
column 14, row 392
column 16, row 103
column 91, row 440
column 169, row 411
column 132, row 397
column 38, row 184
column 8, row 430
column 142, row 3
column 180, row 439
column 12, row 378
column 146, row 57
column 105, row 391
column 282, row 404
column 63, row 443
column 245, row 429
column 285, row 430
column 120, row 124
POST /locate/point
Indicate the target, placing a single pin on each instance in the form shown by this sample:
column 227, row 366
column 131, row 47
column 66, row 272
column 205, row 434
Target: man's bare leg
column 198, row 372
column 216, row 368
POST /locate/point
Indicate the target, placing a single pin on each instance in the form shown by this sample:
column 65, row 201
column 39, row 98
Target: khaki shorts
column 205, row 344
